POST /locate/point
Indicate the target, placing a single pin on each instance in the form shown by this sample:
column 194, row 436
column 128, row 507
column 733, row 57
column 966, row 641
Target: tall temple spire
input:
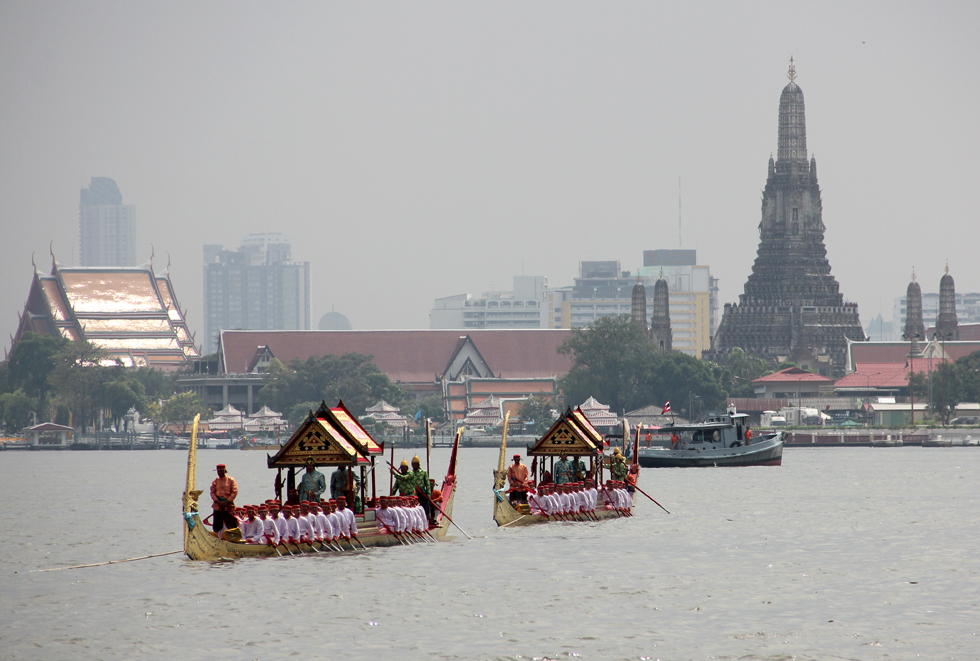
column 660, row 332
column 792, row 308
column 792, row 123
column 638, row 309
column 947, row 327
column 915, row 330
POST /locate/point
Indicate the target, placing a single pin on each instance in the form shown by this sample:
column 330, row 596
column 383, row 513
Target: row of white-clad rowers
column 307, row 522
column 401, row 514
column 578, row 497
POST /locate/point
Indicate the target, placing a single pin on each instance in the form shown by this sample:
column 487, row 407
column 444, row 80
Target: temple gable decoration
column 569, row 435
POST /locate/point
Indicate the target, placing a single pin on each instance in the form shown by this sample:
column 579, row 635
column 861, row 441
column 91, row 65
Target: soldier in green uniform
column 618, row 467
column 423, row 488
column 404, row 481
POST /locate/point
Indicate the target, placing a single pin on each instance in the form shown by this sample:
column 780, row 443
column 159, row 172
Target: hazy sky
column 419, row 150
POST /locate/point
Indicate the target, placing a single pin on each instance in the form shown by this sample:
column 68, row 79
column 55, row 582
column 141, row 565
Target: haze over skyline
column 418, row 151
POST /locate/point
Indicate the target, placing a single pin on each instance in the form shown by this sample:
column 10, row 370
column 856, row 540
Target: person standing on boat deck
column 563, row 470
column 313, row 484
column 517, row 476
column 436, row 497
column 224, row 489
column 251, row 527
column 343, row 480
column 404, row 481
column 422, row 487
column 618, row 467
column 634, row 472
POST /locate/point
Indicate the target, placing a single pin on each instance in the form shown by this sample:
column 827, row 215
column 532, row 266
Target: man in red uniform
column 224, row 489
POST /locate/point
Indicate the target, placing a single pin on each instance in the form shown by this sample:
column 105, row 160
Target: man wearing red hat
column 252, row 528
column 270, row 534
column 517, row 476
column 224, row 489
column 348, row 528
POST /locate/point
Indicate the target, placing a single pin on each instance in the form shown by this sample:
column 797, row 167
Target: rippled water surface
column 841, row 553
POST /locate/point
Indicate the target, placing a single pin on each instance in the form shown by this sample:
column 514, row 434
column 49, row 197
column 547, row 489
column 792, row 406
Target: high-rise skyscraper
column 257, row 287
column 792, row 309
column 107, row 227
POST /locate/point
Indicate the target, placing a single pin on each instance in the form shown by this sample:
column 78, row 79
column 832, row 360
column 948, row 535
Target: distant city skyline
column 256, row 287
column 106, row 226
column 410, row 154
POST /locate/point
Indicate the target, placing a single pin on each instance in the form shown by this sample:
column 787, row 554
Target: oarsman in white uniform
column 348, row 527
column 592, row 494
column 608, row 496
column 251, row 527
column 270, row 534
column 277, row 518
column 291, row 536
column 386, row 518
column 401, row 514
column 579, row 499
column 333, row 519
column 314, row 518
column 551, row 499
column 554, row 502
column 303, row 522
column 622, row 497
column 566, row 500
column 322, row 522
column 587, row 495
column 535, row 501
column 421, row 516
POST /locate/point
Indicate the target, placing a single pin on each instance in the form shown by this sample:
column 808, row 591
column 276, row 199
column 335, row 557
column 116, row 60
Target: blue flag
column 418, row 415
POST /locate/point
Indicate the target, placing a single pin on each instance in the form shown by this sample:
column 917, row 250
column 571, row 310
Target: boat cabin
column 727, row 430
column 328, row 437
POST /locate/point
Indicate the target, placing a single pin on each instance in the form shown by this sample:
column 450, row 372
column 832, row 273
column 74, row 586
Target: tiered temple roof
column 792, row 308
column 130, row 312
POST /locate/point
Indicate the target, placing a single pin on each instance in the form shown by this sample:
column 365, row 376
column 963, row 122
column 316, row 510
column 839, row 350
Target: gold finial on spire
column 947, row 267
column 792, row 70
column 913, row 274
column 661, row 273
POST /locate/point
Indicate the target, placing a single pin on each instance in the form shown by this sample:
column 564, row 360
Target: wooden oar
column 451, row 521
column 650, row 497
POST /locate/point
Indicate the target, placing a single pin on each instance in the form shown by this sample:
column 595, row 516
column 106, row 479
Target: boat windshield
column 705, row 435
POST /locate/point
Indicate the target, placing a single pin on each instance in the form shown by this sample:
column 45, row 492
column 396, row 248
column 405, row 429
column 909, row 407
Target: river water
column 840, row 553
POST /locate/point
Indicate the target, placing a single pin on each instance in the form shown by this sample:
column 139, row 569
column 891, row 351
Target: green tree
column 297, row 413
column 352, row 377
column 181, row 409
column 431, row 407
column 614, row 362
column 675, row 376
column 15, row 410
column 608, row 362
column 76, row 380
column 30, row 364
column 541, row 411
column 122, row 394
column 738, row 372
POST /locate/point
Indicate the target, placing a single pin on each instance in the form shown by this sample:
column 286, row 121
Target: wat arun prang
column 792, row 309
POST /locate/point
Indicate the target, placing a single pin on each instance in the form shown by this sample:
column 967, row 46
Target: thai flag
column 666, row 408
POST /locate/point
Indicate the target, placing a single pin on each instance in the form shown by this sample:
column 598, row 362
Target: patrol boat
column 721, row 440
column 331, row 436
